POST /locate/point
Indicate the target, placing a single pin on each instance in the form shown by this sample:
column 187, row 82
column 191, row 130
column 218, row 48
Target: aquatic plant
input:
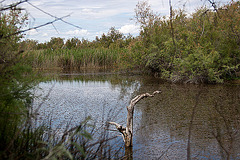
column 74, row 58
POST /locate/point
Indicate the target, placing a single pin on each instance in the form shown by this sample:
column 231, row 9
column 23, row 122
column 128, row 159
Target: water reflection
column 161, row 124
column 165, row 122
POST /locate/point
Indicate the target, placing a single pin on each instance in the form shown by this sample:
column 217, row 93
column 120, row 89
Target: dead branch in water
column 127, row 132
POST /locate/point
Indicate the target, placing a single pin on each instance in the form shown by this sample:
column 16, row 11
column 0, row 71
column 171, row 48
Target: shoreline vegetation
column 74, row 59
column 201, row 48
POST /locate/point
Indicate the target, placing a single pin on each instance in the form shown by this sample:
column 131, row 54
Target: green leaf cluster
column 15, row 85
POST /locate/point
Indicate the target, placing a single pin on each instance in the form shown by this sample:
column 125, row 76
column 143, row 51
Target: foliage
column 15, row 97
column 112, row 37
column 28, row 45
column 72, row 43
column 56, row 43
column 20, row 138
column 203, row 48
column 74, row 59
column 9, row 24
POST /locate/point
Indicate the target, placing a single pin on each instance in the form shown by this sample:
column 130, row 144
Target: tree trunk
column 127, row 132
column 128, row 153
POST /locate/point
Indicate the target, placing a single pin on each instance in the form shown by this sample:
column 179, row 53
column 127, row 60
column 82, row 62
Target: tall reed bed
column 74, row 58
column 84, row 141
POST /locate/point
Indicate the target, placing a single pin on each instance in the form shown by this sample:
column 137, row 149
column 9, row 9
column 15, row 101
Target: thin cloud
column 129, row 28
column 45, row 35
column 77, row 32
column 33, row 32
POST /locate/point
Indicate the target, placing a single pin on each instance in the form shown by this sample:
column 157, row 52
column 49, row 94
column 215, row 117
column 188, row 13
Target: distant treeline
column 201, row 47
column 105, row 52
column 113, row 39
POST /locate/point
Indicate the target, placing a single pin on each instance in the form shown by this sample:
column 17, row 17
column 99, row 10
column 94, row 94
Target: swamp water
column 184, row 121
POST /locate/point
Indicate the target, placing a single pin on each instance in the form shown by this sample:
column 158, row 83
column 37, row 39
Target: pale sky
column 95, row 17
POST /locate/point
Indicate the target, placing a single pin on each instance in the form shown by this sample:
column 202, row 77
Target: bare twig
column 42, row 25
column 213, row 5
column 53, row 15
column 171, row 23
column 11, row 6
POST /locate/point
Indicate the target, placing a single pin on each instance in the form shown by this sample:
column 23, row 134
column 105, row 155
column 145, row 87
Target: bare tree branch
column 171, row 23
column 127, row 132
column 213, row 5
column 42, row 25
column 53, row 15
column 11, row 6
column 116, row 124
column 139, row 97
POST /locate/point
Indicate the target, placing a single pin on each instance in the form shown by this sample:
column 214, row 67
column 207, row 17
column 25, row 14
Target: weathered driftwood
column 127, row 132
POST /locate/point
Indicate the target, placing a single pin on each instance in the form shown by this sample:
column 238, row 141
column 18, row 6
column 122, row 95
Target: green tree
column 113, row 36
column 15, row 84
column 72, row 43
column 42, row 46
column 56, row 43
column 28, row 45
column 9, row 24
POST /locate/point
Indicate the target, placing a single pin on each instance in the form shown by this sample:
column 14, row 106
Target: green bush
column 201, row 48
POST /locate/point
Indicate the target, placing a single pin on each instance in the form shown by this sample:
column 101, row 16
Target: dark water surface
column 184, row 121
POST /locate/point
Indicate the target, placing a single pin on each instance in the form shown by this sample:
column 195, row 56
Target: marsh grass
column 74, row 59
column 83, row 141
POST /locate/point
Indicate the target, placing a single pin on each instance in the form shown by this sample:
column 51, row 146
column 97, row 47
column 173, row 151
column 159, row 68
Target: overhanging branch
column 42, row 25
column 14, row 5
column 53, row 16
column 11, row 6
